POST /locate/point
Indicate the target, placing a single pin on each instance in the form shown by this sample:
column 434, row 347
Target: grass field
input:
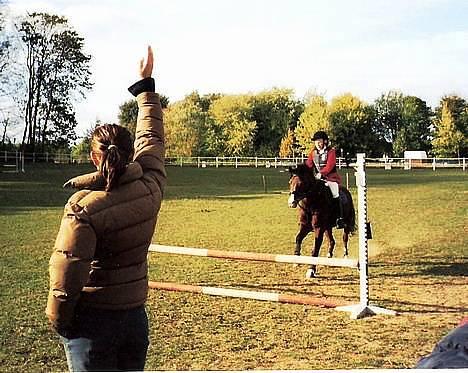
column 418, row 267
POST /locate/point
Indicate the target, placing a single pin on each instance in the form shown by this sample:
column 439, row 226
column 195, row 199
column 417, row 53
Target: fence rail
column 15, row 160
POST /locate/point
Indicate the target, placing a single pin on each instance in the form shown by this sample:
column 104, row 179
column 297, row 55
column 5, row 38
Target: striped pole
column 236, row 293
column 260, row 257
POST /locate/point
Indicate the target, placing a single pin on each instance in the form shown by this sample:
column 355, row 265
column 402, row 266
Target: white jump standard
column 363, row 309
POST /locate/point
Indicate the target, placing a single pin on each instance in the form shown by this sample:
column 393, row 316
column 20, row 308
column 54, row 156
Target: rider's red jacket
column 326, row 163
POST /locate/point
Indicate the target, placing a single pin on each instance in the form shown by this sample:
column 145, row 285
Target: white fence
column 8, row 159
column 386, row 163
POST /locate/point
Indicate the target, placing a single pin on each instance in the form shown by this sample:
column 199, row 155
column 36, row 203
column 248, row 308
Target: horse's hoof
column 345, row 256
column 330, row 255
column 310, row 274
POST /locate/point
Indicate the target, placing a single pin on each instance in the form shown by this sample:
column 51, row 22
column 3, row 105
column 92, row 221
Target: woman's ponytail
column 115, row 145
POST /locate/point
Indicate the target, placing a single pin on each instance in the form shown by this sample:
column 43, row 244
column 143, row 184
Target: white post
column 256, row 162
column 22, row 162
column 276, row 162
column 464, row 164
column 363, row 309
column 198, row 162
column 433, row 164
column 236, row 162
column 217, row 164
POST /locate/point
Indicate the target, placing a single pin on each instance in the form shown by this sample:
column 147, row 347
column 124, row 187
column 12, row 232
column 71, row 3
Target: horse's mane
column 307, row 174
column 302, row 170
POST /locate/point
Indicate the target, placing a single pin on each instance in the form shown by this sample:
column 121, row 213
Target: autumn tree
column 128, row 112
column 185, row 127
column 415, row 129
column 448, row 139
column 232, row 117
column 274, row 111
column 287, row 145
column 458, row 108
column 315, row 117
column 351, row 125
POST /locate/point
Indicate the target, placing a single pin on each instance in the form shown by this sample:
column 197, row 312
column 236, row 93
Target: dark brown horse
column 316, row 213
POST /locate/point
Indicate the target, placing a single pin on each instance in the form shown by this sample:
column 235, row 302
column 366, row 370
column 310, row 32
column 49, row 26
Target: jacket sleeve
column 310, row 159
column 149, row 138
column 69, row 266
column 331, row 162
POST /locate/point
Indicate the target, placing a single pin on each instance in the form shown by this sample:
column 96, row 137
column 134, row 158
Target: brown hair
column 115, row 144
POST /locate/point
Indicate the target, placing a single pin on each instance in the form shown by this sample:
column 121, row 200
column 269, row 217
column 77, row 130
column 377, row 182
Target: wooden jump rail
column 260, row 257
column 246, row 294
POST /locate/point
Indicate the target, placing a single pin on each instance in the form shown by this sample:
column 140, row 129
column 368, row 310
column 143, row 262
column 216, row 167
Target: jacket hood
column 95, row 181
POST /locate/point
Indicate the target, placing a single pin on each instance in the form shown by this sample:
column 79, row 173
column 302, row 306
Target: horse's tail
column 351, row 223
column 352, row 219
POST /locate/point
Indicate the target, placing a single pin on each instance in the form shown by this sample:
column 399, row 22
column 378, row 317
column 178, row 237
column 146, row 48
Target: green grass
column 418, row 267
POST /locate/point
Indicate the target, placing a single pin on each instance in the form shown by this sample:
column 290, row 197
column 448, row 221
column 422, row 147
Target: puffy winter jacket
column 100, row 254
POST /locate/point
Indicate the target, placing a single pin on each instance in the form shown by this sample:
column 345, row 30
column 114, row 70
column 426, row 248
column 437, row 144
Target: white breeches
column 335, row 189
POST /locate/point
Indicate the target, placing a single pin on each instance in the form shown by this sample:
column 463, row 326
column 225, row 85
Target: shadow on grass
column 426, row 308
column 449, row 269
column 429, row 268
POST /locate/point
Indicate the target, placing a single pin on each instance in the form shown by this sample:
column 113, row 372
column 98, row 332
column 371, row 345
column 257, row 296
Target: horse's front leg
column 331, row 241
column 312, row 271
column 303, row 232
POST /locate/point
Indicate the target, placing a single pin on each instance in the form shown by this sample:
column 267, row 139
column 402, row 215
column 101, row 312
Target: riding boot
column 339, row 209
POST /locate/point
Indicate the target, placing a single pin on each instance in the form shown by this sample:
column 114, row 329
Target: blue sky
column 365, row 47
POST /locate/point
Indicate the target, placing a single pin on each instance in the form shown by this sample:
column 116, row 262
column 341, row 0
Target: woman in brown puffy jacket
column 98, row 270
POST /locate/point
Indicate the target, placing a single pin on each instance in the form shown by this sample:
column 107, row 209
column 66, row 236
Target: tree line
column 275, row 123
column 44, row 71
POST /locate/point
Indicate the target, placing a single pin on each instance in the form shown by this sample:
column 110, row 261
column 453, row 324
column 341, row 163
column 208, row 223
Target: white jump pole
column 246, row 294
column 363, row 309
column 260, row 257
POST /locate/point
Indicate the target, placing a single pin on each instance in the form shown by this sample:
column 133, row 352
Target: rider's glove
column 318, row 175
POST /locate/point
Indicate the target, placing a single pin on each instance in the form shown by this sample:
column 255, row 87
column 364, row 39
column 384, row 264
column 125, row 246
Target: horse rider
column 323, row 158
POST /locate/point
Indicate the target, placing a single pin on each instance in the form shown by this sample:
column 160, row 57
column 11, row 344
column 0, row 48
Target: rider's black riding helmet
column 320, row 135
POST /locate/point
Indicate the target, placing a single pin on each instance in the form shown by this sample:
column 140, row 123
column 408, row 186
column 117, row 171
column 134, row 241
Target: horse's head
column 300, row 184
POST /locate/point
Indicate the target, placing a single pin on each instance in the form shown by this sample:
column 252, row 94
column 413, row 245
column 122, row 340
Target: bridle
column 299, row 196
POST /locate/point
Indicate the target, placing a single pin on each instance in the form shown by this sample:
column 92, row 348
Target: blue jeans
column 105, row 340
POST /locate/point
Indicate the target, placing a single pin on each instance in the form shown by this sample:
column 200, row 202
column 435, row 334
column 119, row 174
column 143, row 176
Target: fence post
column 276, row 162
column 22, row 162
column 236, row 162
column 433, row 164
column 256, row 162
column 464, row 164
column 34, row 157
column 198, row 162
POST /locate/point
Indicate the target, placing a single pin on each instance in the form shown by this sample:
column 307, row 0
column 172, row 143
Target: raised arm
column 149, row 136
